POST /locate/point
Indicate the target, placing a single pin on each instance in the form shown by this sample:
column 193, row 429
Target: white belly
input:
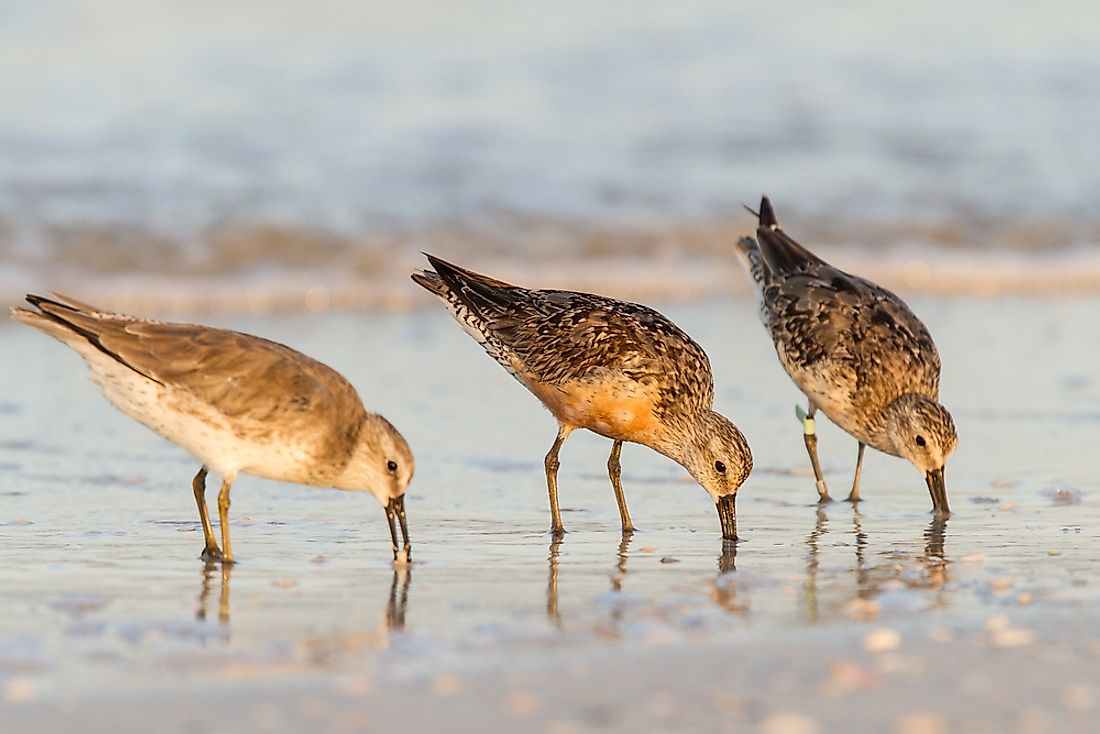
column 220, row 443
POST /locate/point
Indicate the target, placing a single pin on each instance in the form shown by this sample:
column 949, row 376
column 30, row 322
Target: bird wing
column 240, row 375
column 829, row 322
column 781, row 253
column 560, row 336
column 834, row 329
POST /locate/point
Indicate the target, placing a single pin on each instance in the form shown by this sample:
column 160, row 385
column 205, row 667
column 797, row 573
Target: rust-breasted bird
column 618, row 369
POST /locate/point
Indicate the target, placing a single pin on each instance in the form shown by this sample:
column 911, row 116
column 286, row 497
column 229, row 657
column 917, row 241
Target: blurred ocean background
column 276, row 153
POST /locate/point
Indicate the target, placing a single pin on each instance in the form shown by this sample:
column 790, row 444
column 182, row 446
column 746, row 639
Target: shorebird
column 856, row 352
column 618, row 369
column 238, row 404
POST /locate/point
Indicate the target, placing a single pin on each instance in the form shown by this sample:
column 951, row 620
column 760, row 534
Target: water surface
column 103, row 585
column 293, row 146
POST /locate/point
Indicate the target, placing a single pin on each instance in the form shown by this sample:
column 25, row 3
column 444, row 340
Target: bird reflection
column 617, row 575
column 727, row 561
column 399, row 598
column 870, row 577
column 934, row 537
column 620, row 563
column 865, row 586
column 725, row 590
column 552, row 582
column 809, row 587
column 372, row 633
column 394, row 620
column 935, row 559
column 225, row 572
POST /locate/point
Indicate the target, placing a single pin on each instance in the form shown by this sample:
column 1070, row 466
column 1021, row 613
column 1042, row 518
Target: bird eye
column 391, row 465
column 719, row 467
column 920, row 441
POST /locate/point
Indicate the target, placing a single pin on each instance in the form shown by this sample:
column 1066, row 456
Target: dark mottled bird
column 856, row 352
column 237, row 403
column 618, row 369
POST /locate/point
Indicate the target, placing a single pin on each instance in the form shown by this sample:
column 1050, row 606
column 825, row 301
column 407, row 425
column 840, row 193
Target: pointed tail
column 781, row 253
column 749, row 254
column 53, row 316
column 430, row 281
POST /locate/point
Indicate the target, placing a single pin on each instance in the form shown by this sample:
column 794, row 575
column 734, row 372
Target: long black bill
column 938, row 489
column 727, row 515
column 395, row 513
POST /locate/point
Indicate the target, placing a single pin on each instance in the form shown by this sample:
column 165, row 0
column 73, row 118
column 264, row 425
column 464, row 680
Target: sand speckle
column 921, row 722
column 1079, row 698
column 882, row 640
column 790, row 723
column 521, row 704
column 446, row 685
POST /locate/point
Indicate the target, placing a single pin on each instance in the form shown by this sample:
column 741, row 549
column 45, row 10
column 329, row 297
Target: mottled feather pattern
column 754, row 261
column 615, row 368
column 558, row 337
column 850, row 345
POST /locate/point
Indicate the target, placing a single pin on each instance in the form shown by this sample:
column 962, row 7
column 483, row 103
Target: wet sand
column 880, row 618
column 1039, row 677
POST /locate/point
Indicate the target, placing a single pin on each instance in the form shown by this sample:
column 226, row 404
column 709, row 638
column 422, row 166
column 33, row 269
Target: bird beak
column 938, row 489
column 727, row 515
column 395, row 510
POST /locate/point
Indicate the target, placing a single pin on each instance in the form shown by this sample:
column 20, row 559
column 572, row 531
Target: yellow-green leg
column 853, row 496
column 809, row 434
column 223, row 519
column 551, row 463
column 615, row 472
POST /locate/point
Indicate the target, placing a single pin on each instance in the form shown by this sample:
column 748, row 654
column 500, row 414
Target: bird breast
column 609, row 404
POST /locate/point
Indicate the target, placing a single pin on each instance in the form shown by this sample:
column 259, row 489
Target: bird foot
column 211, row 553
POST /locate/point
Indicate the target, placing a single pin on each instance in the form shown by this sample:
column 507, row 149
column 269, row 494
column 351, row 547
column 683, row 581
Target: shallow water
column 103, row 589
column 297, row 146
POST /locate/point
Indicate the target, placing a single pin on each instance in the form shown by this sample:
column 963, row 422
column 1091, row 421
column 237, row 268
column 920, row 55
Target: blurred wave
column 198, row 151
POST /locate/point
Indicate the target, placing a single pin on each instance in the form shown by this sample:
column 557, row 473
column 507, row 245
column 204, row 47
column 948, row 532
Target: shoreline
column 668, row 278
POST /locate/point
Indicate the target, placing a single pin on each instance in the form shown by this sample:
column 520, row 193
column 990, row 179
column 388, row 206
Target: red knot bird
column 618, row 369
column 856, row 352
column 237, row 403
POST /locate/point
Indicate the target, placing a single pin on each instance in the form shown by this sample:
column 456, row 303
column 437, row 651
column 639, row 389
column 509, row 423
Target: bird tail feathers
column 749, row 254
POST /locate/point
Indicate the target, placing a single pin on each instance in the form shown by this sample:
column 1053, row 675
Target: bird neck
column 685, row 437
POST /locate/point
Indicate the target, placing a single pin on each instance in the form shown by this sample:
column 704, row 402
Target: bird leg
column 615, row 472
column 406, row 545
column 551, row 463
column 395, row 511
column 210, row 551
column 853, row 496
column 809, row 433
column 223, row 519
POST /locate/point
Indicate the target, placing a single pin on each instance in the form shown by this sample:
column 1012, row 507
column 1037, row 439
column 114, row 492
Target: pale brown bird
column 618, row 369
column 238, row 404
